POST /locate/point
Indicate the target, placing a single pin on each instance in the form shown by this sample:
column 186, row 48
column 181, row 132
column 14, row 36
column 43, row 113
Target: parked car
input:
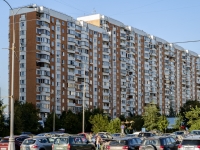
column 144, row 135
column 38, row 143
column 136, row 133
column 190, row 143
column 18, row 141
column 116, row 134
column 72, row 143
column 86, row 135
column 179, row 133
column 105, row 136
column 159, row 143
column 124, row 144
column 130, row 135
column 195, row 132
column 44, row 134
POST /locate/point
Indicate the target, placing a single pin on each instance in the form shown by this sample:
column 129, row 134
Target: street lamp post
column 11, row 145
column 83, row 103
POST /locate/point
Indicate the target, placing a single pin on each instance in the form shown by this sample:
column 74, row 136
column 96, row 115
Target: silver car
column 190, row 143
column 36, row 143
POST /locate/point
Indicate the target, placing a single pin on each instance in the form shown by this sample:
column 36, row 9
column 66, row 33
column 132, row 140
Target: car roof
column 124, row 138
column 16, row 136
column 192, row 137
column 39, row 137
column 157, row 137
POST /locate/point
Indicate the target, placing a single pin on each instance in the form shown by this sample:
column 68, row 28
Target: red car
column 18, row 141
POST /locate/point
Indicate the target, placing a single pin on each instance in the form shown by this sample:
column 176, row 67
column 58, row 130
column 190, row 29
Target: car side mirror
column 87, row 142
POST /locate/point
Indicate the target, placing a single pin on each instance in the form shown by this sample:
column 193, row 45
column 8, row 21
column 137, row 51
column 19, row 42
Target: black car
column 159, row 143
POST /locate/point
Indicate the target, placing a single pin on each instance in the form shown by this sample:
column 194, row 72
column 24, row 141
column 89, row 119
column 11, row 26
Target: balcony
column 106, row 107
column 198, row 67
column 105, row 45
column 105, row 37
column 123, row 43
column 123, row 36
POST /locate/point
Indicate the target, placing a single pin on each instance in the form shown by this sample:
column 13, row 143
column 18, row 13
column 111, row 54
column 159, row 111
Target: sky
column 171, row 20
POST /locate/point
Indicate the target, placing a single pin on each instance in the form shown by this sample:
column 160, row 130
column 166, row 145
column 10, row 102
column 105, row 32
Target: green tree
column 163, row 123
column 193, row 117
column 114, row 126
column 122, row 118
column 71, row 122
column 26, row 117
column 48, row 125
column 151, row 116
column 4, row 128
column 88, row 113
column 138, row 122
column 99, row 123
column 187, row 107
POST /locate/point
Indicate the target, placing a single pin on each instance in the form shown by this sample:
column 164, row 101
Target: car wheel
column 42, row 149
column 92, row 148
column 150, row 147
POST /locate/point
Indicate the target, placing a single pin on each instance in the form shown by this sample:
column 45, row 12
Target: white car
column 136, row 133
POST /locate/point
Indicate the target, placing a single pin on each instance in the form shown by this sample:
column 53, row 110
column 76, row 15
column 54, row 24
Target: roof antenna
column 94, row 11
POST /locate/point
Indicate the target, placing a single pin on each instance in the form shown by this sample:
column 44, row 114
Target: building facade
column 122, row 68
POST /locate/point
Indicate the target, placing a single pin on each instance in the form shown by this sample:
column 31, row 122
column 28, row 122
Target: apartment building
column 122, row 68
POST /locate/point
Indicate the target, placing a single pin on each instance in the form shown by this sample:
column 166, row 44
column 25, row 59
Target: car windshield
column 51, row 140
column 29, row 142
column 190, row 142
column 132, row 142
column 119, row 143
column 196, row 132
column 179, row 133
column 61, row 141
column 139, row 141
column 151, row 142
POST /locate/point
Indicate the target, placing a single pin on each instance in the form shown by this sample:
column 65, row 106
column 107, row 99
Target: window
column 22, row 90
column 22, row 73
column 52, row 43
column 58, row 28
column 58, row 44
column 52, row 19
column 22, row 65
column 52, row 27
column 22, row 82
column 22, row 57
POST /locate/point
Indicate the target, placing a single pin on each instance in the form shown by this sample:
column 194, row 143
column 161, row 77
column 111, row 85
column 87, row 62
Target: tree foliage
column 49, row 123
column 187, row 107
column 4, row 128
column 138, row 122
column 25, row 118
column 114, row 126
column 99, row 123
column 151, row 117
column 71, row 122
column 193, row 117
column 162, row 123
